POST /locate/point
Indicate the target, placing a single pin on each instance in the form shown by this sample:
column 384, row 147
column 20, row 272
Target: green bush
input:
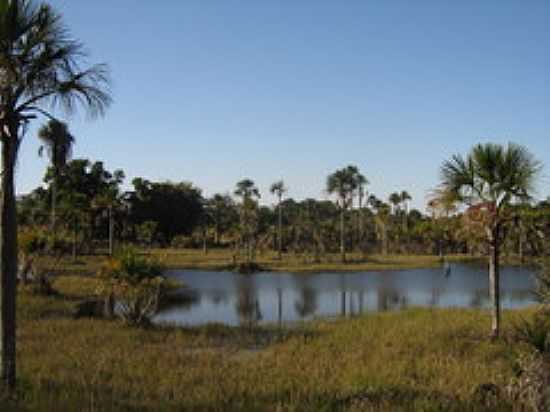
column 135, row 283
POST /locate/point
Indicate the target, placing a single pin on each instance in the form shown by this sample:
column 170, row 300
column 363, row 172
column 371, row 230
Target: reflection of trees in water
column 247, row 304
column 478, row 297
column 182, row 300
column 307, row 304
column 389, row 298
column 356, row 302
column 218, row 296
column 435, row 296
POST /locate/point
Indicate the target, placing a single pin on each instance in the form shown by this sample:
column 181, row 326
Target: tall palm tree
column 39, row 69
column 395, row 200
column 361, row 182
column 248, row 192
column 58, row 143
column 488, row 180
column 405, row 199
column 343, row 183
column 279, row 189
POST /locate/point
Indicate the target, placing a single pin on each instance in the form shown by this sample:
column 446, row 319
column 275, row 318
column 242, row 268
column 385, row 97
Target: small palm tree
column 39, row 69
column 58, row 143
column 279, row 189
column 343, row 183
column 488, row 180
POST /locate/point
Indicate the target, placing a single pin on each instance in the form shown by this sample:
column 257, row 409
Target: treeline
column 84, row 204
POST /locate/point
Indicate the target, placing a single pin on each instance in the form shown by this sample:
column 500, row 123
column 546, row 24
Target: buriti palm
column 40, row 71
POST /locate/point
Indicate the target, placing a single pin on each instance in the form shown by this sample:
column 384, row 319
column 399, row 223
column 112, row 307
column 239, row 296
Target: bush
column 135, row 283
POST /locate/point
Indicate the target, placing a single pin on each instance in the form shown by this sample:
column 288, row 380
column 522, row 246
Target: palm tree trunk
column 75, row 234
column 280, row 230
column 494, row 282
column 520, row 252
column 111, row 231
column 54, row 206
column 342, row 238
column 280, row 306
column 8, row 259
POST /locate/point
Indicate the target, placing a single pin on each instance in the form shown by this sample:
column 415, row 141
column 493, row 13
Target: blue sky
column 215, row 91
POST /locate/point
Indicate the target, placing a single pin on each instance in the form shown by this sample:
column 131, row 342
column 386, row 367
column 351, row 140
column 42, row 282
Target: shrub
column 135, row 283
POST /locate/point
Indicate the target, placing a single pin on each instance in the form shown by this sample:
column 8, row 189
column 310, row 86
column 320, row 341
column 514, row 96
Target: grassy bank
column 412, row 360
column 222, row 259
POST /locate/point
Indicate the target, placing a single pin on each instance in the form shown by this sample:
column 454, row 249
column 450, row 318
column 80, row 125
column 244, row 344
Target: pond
column 272, row 297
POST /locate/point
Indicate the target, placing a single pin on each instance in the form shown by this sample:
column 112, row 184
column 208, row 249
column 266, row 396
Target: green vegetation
column 416, row 359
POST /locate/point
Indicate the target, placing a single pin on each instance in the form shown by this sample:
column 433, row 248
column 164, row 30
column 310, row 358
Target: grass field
column 419, row 359
column 220, row 259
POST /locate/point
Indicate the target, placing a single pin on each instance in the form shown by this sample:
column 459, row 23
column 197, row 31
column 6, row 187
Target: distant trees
column 40, row 67
column 488, row 180
column 223, row 213
column 176, row 207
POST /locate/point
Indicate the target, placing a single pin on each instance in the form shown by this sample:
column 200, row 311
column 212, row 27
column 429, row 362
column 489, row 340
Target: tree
column 488, row 181
column 109, row 199
column 395, row 200
column 248, row 192
column 279, row 189
column 343, row 183
column 58, row 143
column 176, row 207
column 405, row 198
column 223, row 213
column 361, row 182
column 39, row 69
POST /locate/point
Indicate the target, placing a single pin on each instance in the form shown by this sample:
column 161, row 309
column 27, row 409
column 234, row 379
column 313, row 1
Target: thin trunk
column 280, row 306
column 360, row 223
column 342, row 238
column 280, row 230
column 343, row 303
column 54, row 206
column 75, row 234
column 8, row 260
column 111, row 231
column 494, row 283
column 521, row 257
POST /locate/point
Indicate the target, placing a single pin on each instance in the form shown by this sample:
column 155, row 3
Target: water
column 234, row 299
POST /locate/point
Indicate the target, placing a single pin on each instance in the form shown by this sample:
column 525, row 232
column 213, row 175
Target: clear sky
column 215, row 91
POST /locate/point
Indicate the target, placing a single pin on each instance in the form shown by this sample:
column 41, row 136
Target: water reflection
column 234, row 299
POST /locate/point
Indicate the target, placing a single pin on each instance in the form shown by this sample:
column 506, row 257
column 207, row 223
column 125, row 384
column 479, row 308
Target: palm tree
column 249, row 193
column 39, row 69
column 395, row 200
column 279, row 189
column 405, row 198
column 343, row 183
column 58, row 143
column 361, row 182
column 488, row 181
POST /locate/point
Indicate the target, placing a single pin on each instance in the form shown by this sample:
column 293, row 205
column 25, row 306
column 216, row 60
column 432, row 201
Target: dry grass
column 418, row 359
column 220, row 259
